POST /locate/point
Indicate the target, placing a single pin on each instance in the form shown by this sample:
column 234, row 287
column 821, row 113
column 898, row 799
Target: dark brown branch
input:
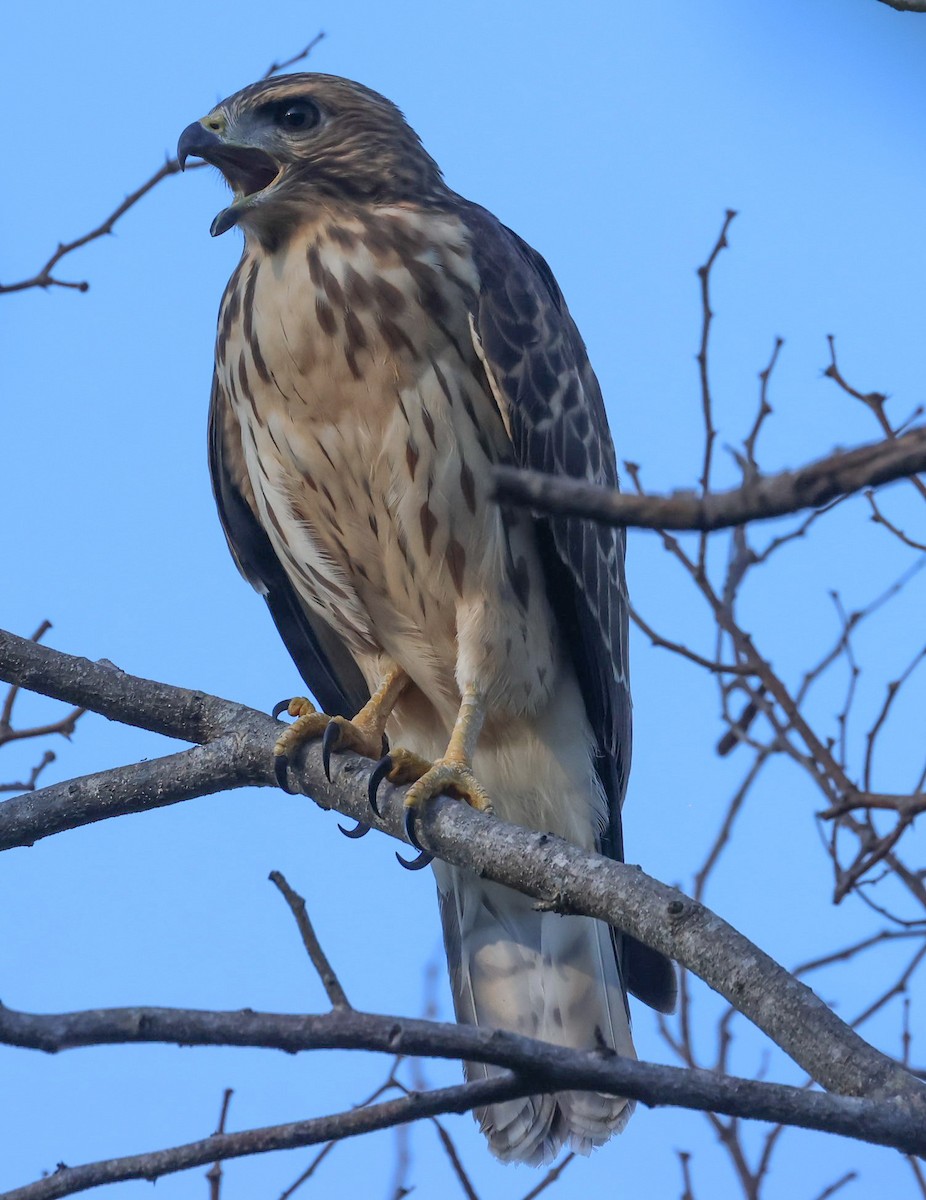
column 840, row 474
column 330, row 981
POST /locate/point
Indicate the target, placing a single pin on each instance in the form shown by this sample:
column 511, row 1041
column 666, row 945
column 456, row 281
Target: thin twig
column 304, row 53
column 707, row 404
column 684, row 1159
column 550, row 1178
column 326, row 973
column 214, row 1174
column 840, row 1183
column 28, row 785
column 879, row 518
column 765, row 409
column 455, row 1162
column 44, row 277
column 656, row 639
column 319, row 1158
column 918, row 1174
column 874, row 401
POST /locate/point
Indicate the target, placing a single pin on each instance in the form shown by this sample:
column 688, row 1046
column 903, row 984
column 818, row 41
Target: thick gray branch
column 539, row 865
column 884, row 1122
column 840, row 474
column 228, row 762
column 174, row 711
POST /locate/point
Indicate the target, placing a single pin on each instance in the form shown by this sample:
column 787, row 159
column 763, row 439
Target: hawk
column 382, row 345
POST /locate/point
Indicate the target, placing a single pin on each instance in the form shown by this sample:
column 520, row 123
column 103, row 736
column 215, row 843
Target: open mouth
column 247, row 169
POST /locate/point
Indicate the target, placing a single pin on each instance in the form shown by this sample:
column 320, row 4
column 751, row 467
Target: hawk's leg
column 364, row 733
column 453, row 772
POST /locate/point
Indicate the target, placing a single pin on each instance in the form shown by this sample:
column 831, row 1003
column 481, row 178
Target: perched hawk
column 382, row 345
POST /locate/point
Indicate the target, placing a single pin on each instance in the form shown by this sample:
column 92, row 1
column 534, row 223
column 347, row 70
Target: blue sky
column 612, row 137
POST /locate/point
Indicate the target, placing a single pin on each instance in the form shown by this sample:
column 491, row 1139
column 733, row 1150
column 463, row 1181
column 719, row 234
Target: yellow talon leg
column 364, row 732
column 453, row 773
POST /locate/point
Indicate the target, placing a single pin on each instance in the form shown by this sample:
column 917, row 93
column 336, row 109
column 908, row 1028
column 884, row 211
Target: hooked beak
column 248, row 170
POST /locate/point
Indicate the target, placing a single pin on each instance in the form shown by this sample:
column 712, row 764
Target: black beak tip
column 195, row 140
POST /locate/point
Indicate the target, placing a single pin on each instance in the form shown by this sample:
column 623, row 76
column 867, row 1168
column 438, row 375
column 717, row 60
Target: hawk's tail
column 541, row 975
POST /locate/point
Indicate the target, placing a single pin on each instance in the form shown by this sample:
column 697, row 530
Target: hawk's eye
column 296, row 114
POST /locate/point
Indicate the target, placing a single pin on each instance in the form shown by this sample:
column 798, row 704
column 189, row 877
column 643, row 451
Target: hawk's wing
column 551, row 402
column 323, row 661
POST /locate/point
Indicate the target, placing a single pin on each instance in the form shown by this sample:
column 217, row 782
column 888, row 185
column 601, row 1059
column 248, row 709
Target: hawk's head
column 284, row 141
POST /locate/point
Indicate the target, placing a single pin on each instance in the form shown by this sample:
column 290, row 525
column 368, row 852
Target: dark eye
column 296, row 114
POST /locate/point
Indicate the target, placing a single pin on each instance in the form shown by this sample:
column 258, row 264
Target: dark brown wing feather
column 558, row 424
column 326, row 666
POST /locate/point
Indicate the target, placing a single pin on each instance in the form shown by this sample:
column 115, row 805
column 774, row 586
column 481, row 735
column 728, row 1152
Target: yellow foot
column 398, row 766
column 447, row 775
column 337, row 733
column 453, row 778
column 309, row 724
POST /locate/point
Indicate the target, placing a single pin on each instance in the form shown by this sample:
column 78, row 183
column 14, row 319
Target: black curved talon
column 358, row 831
column 280, row 764
column 330, row 739
column 424, row 857
column 408, row 821
column 378, row 774
column 415, row 864
column 279, row 709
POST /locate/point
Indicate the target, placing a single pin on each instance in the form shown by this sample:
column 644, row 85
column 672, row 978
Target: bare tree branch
column 214, row 1174
column 875, row 402
column 67, row 1181
column 839, row 474
column 892, row 1121
column 319, row 958
column 550, row 1178
column 707, row 402
column 540, row 865
column 63, row 727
